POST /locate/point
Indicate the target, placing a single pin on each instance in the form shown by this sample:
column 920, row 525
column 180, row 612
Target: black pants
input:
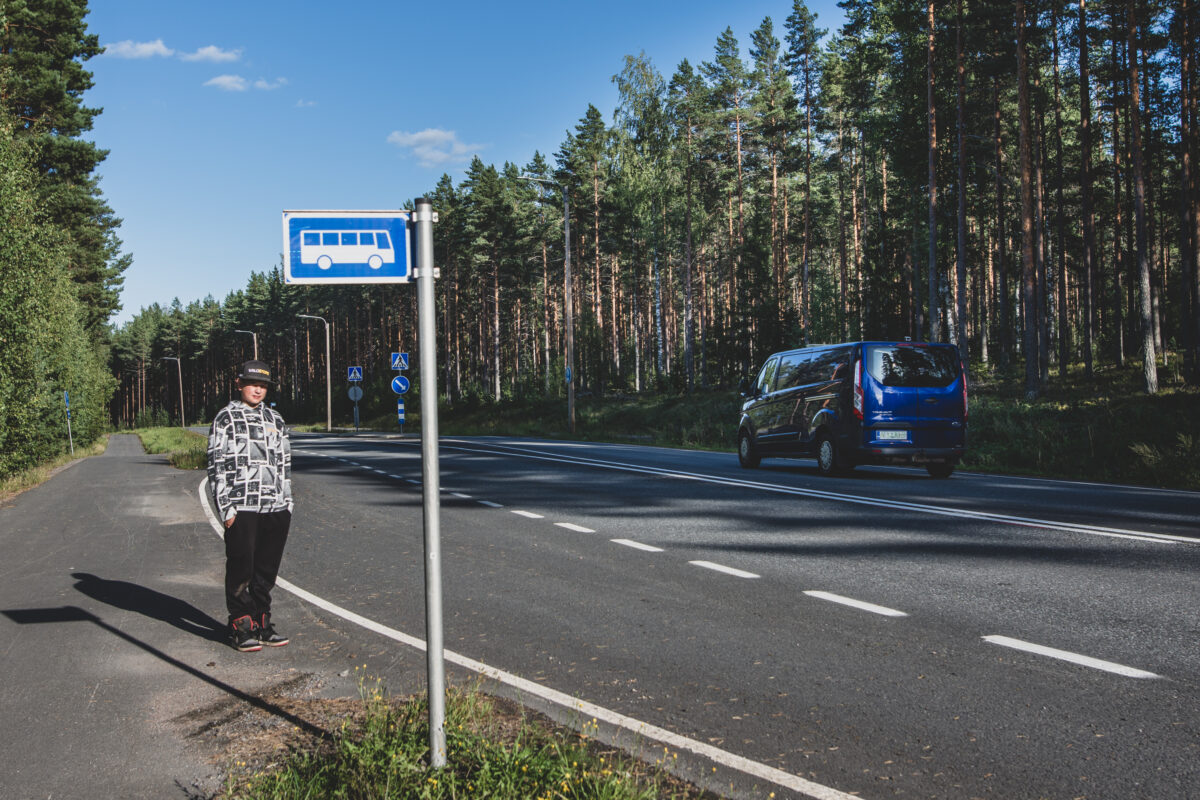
column 253, row 550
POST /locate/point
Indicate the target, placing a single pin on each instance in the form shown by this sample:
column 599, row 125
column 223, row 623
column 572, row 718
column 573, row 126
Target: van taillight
column 858, row 392
column 964, row 380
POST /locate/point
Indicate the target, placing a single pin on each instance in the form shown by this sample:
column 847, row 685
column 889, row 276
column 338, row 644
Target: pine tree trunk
column 961, row 255
column 1002, row 311
column 1064, row 322
column 1149, row 366
column 932, row 124
column 1028, row 267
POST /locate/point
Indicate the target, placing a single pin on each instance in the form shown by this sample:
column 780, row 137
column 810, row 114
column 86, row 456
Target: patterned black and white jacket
column 249, row 460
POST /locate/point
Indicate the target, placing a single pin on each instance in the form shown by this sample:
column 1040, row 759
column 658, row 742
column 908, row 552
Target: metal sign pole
column 434, row 654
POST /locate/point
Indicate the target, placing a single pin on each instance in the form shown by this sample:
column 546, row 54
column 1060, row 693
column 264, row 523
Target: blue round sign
column 400, row 384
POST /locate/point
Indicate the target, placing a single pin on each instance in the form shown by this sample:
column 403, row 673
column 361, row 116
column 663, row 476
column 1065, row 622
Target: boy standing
column 250, row 476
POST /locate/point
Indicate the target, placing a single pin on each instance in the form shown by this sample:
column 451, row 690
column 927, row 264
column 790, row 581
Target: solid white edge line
column 573, row 527
column 649, row 548
column 1074, row 658
column 737, row 573
column 859, row 604
column 640, row 730
column 527, row 514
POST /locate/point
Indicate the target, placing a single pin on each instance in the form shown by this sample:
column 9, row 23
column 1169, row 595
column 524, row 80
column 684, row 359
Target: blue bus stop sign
column 400, row 384
column 346, row 247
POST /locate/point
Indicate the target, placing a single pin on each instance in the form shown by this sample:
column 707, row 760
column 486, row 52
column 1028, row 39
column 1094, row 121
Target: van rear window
column 912, row 366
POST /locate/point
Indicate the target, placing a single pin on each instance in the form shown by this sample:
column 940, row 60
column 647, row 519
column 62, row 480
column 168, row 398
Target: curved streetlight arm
column 255, row 335
column 328, row 374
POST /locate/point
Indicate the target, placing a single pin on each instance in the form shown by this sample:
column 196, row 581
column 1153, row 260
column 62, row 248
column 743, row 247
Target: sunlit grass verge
column 185, row 449
column 386, row 754
column 13, row 485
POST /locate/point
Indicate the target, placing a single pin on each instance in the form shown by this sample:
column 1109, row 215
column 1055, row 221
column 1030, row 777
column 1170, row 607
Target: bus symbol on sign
column 346, row 247
column 326, row 248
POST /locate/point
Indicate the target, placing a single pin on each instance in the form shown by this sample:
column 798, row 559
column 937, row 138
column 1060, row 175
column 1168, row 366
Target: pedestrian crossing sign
column 354, row 373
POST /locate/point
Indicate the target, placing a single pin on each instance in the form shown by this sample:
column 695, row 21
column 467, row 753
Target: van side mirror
column 744, row 387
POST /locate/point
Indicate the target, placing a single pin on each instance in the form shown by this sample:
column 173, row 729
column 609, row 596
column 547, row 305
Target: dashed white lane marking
column 397, row 477
column 722, row 480
column 527, row 514
column 461, row 495
column 489, row 504
column 639, row 730
column 649, row 548
column 573, row 527
column 1074, row 658
column 737, row 573
column 381, row 472
column 859, row 604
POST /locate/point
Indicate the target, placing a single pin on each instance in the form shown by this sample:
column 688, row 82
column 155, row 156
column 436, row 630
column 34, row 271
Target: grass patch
column 14, row 484
column 383, row 752
column 185, row 449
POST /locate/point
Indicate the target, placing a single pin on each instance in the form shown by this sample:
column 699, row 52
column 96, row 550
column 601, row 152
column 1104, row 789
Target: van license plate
column 892, row 436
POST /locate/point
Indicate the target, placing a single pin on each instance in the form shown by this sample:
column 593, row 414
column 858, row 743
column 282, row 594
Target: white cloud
column 433, row 146
column 302, row 103
column 229, row 83
column 236, row 83
column 211, row 53
column 132, row 49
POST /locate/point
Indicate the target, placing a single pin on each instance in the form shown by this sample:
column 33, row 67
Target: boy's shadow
column 156, row 605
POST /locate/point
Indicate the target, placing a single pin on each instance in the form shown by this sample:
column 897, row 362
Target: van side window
column 766, row 378
column 794, row 370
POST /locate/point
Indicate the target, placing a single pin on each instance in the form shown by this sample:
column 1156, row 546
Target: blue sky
column 220, row 115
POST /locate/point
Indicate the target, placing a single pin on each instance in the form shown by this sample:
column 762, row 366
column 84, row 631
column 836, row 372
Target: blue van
column 858, row 403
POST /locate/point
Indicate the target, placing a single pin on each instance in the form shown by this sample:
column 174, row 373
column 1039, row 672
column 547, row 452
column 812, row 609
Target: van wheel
column 748, row 455
column 829, row 460
column 939, row 470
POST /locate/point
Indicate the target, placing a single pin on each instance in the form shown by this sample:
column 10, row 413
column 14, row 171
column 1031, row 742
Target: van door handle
column 931, row 400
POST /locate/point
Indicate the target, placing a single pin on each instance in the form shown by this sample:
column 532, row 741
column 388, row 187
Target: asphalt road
column 884, row 634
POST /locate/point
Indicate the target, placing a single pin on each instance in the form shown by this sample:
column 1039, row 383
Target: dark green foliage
column 44, row 346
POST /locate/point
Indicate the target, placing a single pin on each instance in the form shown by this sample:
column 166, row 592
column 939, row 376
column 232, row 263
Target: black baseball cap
column 256, row 371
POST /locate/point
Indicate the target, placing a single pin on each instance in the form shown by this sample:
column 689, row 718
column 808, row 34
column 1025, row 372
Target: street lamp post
column 179, row 366
column 328, row 373
column 568, row 300
column 255, row 335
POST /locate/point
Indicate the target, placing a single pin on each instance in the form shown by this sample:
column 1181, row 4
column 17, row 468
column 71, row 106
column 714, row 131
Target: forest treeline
column 1016, row 178
column 60, row 261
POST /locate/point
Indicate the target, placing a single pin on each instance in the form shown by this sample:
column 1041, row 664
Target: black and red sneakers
column 267, row 635
column 243, row 635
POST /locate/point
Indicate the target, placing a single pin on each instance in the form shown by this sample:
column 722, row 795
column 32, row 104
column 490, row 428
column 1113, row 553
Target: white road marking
column 649, row 548
column 573, row 527
column 1028, row 522
column 727, row 570
column 489, row 504
column 461, row 496
column 381, row 472
column 527, row 514
column 859, row 604
column 639, row 730
column 397, row 477
column 1074, row 658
